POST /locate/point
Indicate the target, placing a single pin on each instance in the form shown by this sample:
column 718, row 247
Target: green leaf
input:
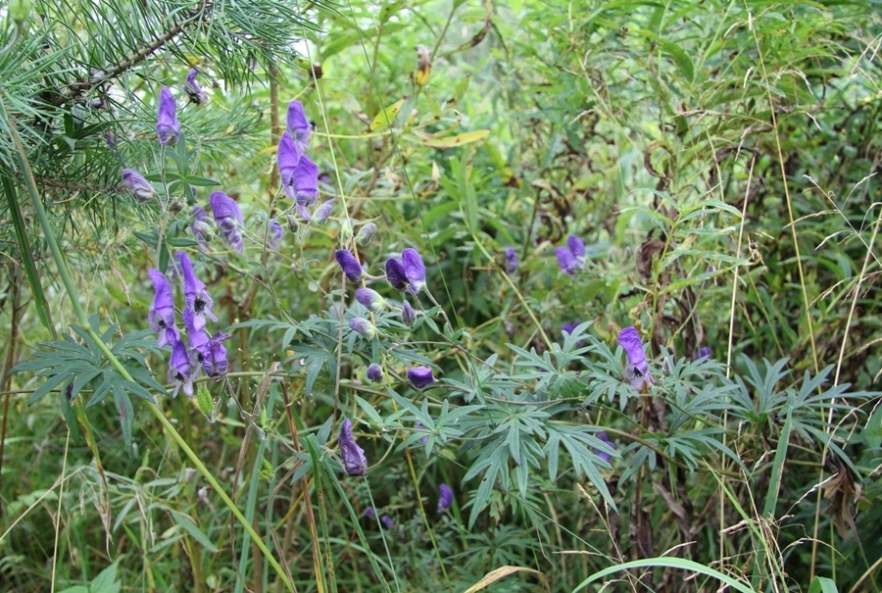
column 679, row 563
column 190, row 527
column 778, row 467
column 822, row 585
column 106, row 581
column 126, row 414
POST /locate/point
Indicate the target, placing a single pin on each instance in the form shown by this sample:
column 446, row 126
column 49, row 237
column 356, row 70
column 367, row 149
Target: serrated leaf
column 453, row 141
column 106, row 581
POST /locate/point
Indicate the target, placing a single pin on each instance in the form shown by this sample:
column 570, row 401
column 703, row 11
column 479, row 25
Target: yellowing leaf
column 386, row 116
column 454, row 141
column 500, row 573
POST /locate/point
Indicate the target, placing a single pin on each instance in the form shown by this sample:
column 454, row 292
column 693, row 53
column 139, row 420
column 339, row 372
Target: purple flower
column 135, row 183
column 298, row 125
column 603, row 454
column 303, row 213
column 703, row 352
column 322, row 213
column 193, row 90
column 511, row 260
column 396, row 275
column 304, row 182
column 228, row 218
column 354, row 461
column 370, row 513
column 370, row 299
column 161, row 316
column 414, row 269
column 567, row 261
column 637, row 369
column 167, row 125
column 419, row 426
column 387, row 522
column 576, row 246
column 198, row 299
column 365, row 233
column 408, row 315
column 367, row 329
column 200, row 228
column 197, row 334
column 275, row 234
column 108, row 137
column 419, row 377
column 213, row 355
column 445, row 498
column 349, row 265
column 375, row 373
column 287, row 158
column 179, row 369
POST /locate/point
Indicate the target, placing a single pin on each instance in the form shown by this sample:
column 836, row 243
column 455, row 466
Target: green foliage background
column 717, row 157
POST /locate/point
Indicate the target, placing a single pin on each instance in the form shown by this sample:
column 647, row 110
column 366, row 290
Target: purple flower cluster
column 228, row 218
column 298, row 173
column 201, row 349
column 572, row 257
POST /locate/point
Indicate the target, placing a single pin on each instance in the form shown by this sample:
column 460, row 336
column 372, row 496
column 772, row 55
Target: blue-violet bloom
column 445, row 498
column 396, row 275
column 275, row 234
column 601, row 453
column 193, row 90
column 408, row 315
column 167, row 125
column 371, row 299
column 349, row 265
column 228, row 218
column 370, row 513
column 637, row 369
column 200, row 229
column 703, row 352
column 179, row 369
column 297, row 124
column 304, row 182
column 321, row 214
column 420, row 377
column 197, row 334
column 375, row 373
column 414, row 269
column 213, row 355
column 576, row 246
column 387, row 521
column 135, row 183
column 511, row 260
column 367, row 329
column 197, row 298
column 354, row 461
column 161, row 316
column 566, row 259
column 287, row 158
column 365, row 233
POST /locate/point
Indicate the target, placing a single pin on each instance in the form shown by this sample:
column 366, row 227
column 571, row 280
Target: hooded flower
column 445, row 498
column 198, row 299
column 196, row 334
column 274, row 235
column 349, row 265
column 179, row 369
column 367, row 329
column 370, row 513
column 703, row 352
column 161, row 316
column 387, row 521
column 576, row 246
column 135, row 183
column 419, row 377
column 375, row 373
column 304, row 182
column 408, row 315
column 396, row 275
column 370, row 299
column 193, row 90
column 572, row 257
column 365, row 233
column 322, row 213
column 603, row 454
column 201, row 229
column 511, row 260
column 298, row 125
column 414, row 269
column 637, row 369
column 213, row 355
column 228, row 218
column 354, row 461
column 167, row 125
column 287, row 158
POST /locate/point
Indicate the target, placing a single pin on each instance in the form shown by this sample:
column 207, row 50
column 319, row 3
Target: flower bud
column 292, row 223
column 345, row 230
column 370, row 299
column 367, row 329
column 408, row 315
column 375, row 373
column 365, row 233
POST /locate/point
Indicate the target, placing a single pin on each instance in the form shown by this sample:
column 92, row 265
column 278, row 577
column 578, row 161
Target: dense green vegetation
column 585, row 183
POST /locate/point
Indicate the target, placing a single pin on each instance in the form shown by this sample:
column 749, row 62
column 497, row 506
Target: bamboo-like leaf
column 497, row 574
column 454, row 141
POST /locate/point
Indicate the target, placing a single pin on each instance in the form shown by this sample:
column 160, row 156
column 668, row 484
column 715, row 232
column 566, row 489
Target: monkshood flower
column 135, row 183
column 298, row 125
column 387, row 521
column 576, row 246
column 287, row 158
column 420, row 377
column 365, row 233
column 445, row 498
column 349, row 265
column 321, row 214
column 303, row 213
column 214, row 355
column 367, row 329
column 511, row 260
column 571, row 258
column 396, row 275
column 637, row 369
column 200, row 229
column 198, row 299
column 275, row 234
column 179, row 369
column 193, row 90
column 603, row 454
column 228, row 218
column 370, row 299
column 354, row 461
column 304, row 183
column 161, row 316
column 408, row 315
column 414, row 269
column 375, row 373
column 167, row 125
column 370, row 513
column 197, row 336
column 703, row 352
